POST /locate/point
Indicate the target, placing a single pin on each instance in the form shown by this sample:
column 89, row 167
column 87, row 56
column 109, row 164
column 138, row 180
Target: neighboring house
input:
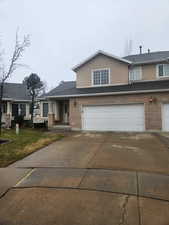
column 16, row 101
column 113, row 94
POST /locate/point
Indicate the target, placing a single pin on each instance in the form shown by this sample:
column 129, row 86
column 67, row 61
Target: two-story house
column 113, row 94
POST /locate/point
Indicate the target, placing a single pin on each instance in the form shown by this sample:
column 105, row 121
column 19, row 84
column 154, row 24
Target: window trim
column 92, row 77
column 141, row 74
column 157, row 70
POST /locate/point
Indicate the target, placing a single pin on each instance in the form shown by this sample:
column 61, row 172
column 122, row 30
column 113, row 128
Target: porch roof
column 16, row 92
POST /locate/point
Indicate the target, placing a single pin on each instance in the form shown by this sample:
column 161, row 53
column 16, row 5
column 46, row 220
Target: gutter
column 15, row 100
column 108, row 93
column 150, row 62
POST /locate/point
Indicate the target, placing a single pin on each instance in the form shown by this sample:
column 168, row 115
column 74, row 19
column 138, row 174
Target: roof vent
column 140, row 49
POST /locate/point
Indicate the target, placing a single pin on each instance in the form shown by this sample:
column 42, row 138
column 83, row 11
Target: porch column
column 8, row 108
column 8, row 115
column 27, row 110
column 56, row 111
column 51, row 115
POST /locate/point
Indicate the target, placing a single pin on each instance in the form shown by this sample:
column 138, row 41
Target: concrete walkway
column 82, row 180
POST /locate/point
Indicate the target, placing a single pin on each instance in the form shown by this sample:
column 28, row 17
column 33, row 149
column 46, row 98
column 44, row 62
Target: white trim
column 103, row 85
column 110, row 93
column 100, row 69
column 14, row 100
column 103, row 53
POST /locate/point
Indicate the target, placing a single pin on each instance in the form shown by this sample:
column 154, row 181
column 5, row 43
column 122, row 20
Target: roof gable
column 78, row 66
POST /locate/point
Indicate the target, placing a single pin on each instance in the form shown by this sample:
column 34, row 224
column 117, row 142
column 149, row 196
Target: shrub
column 19, row 119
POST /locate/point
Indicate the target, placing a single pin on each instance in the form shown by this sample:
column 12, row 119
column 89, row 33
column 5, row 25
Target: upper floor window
column 135, row 73
column 101, row 77
column 163, row 70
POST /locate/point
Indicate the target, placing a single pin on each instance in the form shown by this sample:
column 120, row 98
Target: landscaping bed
column 19, row 146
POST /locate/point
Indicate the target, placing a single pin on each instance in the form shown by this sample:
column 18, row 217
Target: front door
column 15, row 110
column 65, row 112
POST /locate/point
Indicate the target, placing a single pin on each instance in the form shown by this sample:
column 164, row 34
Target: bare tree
column 6, row 72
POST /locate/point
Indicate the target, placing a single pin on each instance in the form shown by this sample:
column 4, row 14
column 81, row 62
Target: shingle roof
column 75, row 68
column 68, row 89
column 151, row 57
column 63, row 86
column 16, row 91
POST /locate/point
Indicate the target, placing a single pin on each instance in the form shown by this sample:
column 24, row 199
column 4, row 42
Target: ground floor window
column 45, row 109
column 4, row 108
column 19, row 109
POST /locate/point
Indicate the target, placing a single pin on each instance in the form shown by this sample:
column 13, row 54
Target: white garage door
column 113, row 118
column 165, row 117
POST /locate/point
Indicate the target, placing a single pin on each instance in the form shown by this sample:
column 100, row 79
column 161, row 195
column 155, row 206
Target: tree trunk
column 1, row 96
column 32, row 107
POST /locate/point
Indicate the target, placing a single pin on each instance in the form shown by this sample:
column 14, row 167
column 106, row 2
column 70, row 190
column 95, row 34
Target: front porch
column 11, row 109
column 58, row 114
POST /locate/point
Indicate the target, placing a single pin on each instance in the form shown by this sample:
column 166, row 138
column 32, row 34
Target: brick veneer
column 153, row 115
column 51, row 119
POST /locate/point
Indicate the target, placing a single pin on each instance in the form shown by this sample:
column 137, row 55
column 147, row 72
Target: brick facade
column 152, row 102
column 51, row 120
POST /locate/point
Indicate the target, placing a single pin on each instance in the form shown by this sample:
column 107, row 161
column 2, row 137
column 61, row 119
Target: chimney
column 148, row 50
column 140, row 49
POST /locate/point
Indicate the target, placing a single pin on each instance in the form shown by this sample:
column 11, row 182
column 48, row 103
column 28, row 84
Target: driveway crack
column 123, row 218
column 138, row 199
column 98, row 150
column 85, row 173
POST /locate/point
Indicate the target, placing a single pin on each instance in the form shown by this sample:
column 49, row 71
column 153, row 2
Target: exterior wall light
column 152, row 99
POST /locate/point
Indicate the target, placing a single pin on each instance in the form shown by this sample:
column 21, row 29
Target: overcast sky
column 64, row 32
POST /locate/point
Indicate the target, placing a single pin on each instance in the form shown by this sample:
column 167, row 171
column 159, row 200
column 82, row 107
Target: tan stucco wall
column 153, row 120
column 149, row 72
column 118, row 71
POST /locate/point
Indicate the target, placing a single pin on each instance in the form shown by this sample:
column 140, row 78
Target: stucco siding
column 118, row 71
column 149, row 72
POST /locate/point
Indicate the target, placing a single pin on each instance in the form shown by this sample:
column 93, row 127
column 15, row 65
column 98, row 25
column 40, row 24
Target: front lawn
column 28, row 141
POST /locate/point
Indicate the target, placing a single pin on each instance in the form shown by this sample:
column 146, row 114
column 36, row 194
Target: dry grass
column 27, row 142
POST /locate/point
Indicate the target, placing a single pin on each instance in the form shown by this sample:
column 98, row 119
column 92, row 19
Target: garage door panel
column 114, row 118
column 165, row 117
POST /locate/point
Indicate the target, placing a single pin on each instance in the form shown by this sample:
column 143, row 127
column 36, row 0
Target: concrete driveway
column 88, row 179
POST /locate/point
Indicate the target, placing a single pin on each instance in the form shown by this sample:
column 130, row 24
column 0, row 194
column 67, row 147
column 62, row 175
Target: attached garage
column 113, row 118
column 165, row 117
